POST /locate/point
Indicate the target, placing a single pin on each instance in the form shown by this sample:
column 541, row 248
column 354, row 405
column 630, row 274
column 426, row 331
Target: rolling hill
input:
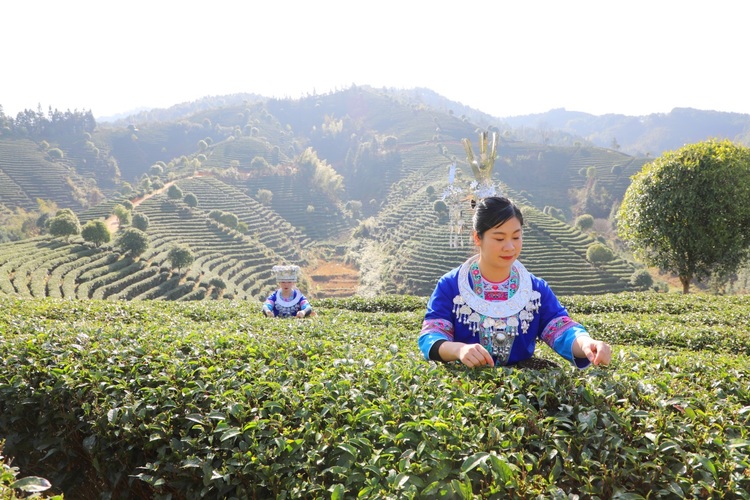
column 379, row 165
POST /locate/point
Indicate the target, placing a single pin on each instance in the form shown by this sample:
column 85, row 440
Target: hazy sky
column 633, row 57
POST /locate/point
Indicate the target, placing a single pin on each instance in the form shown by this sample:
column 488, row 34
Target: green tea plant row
column 208, row 399
column 211, row 243
column 11, row 194
column 270, row 228
column 243, row 150
column 51, row 267
column 603, row 160
column 46, row 181
column 416, row 241
column 292, row 195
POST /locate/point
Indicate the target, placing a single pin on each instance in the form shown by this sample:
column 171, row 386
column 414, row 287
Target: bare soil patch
column 332, row 279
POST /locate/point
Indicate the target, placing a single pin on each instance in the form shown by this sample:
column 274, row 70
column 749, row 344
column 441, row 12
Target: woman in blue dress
column 491, row 310
column 287, row 301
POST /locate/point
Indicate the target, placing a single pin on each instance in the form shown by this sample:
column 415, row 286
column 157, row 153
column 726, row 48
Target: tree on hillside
column 156, row 170
column 96, row 232
column 174, row 192
column 441, row 208
column 642, row 279
column 593, row 198
column 323, row 175
column 133, row 241
column 64, row 224
column 190, row 200
column 264, row 196
column 599, row 254
column 688, row 211
column 122, row 213
column 141, row 221
column 229, row 219
column 259, row 163
column 180, row 256
column 584, row 222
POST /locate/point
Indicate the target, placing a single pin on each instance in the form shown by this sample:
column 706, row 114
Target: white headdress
column 285, row 273
column 457, row 198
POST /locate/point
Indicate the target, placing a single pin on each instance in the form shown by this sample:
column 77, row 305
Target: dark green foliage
column 557, row 213
column 217, row 283
column 156, row 170
column 96, row 232
column 140, row 221
column 146, row 400
column 180, row 256
column 264, row 196
column 190, row 200
column 133, row 241
column 688, row 212
column 64, row 224
column 642, row 279
column 599, row 253
column 122, row 213
column 14, row 484
column 584, row 222
column 441, row 209
column 55, row 154
column 229, row 219
column 174, row 192
column 259, row 163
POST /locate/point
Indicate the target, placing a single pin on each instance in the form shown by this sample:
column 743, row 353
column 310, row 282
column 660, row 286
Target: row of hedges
column 166, row 400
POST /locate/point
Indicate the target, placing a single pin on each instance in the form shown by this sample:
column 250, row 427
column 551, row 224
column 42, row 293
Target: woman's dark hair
column 494, row 211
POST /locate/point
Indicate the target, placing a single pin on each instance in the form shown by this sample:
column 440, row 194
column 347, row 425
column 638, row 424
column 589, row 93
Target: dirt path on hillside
column 113, row 223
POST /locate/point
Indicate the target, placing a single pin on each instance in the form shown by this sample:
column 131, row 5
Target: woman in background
column 287, row 300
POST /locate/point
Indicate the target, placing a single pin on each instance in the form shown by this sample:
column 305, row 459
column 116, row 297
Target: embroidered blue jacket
column 287, row 307
column 550, row 323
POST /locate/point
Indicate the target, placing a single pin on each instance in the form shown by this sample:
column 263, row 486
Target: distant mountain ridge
column 643, row 135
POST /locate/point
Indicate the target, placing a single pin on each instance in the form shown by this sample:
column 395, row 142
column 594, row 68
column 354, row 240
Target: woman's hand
column 472, row 355
column 596, row 351
column 268, row 313
column 300, row 314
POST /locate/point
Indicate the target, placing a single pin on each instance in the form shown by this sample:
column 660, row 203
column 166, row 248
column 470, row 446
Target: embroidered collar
column 287, row 303
column 495, row 309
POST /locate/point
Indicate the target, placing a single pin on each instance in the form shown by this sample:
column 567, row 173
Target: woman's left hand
column 596, row 351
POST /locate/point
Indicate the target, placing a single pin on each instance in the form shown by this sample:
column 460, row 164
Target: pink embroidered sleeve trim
column 556, row 328
column 440, row 326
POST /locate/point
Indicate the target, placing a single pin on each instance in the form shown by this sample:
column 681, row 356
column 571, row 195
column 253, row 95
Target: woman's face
column 501, row 245
column 286, row 286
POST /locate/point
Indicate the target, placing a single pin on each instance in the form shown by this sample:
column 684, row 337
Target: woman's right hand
column 472, row 355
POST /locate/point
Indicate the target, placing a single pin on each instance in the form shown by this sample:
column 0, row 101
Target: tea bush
column 153, row 399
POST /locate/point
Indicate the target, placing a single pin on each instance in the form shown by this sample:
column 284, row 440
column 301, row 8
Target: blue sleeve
column 304, row 304
column 269, row 303
column 563, row 345
column 439, row 318
column 558, row 329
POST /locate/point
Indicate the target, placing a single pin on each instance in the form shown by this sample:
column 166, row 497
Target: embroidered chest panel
column 499, row 314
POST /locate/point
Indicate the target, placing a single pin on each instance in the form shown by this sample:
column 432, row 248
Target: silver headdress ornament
column 285, row 273
column 456, row 197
